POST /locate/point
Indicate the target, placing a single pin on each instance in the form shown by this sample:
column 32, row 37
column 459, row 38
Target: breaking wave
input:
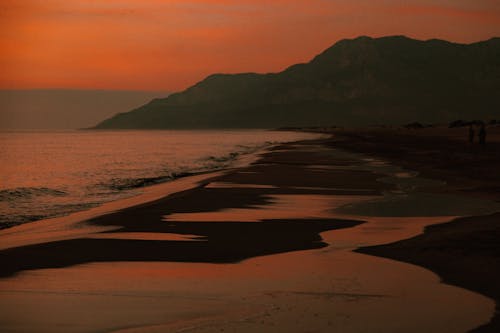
column 28, row 192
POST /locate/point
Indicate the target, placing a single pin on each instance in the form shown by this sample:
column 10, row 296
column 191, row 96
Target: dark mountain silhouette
column 355, row 82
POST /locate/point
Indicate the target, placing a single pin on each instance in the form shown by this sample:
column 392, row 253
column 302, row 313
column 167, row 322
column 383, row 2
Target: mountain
column 360, row 81
column 64, row 108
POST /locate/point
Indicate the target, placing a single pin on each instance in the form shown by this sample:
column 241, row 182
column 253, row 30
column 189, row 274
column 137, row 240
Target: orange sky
column 168, row 45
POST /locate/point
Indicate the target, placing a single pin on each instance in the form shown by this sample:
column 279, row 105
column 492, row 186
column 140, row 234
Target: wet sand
column 268, row 247
column 466, row 251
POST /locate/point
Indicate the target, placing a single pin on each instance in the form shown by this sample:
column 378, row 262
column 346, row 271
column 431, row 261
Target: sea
column 46, row 174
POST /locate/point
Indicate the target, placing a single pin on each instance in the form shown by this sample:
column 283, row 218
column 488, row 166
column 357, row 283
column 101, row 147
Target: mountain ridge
column 358, row 81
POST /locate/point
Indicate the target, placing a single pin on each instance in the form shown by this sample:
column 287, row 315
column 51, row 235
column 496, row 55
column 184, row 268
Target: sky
column 168, row 45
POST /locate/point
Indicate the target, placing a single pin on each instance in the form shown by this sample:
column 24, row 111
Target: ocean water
column 49, row 174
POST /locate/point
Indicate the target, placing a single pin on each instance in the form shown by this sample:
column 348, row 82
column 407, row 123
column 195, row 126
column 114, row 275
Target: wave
column 225, row 160
column 49, row 211
column 28, row 192
column 120, row 184
column 26, row 204
column 7, row 221
column 210, row 163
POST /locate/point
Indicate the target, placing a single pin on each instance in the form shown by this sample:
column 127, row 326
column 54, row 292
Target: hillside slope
column 361, row 81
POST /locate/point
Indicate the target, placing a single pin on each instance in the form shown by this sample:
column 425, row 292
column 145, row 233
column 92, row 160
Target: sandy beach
column 285, row 244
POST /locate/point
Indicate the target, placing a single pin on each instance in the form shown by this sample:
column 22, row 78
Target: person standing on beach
column 471, row 134
column 482, row 135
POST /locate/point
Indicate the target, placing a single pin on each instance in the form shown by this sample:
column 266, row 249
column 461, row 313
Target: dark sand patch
column 464, row 252
column 299, row 176
column 222, row 243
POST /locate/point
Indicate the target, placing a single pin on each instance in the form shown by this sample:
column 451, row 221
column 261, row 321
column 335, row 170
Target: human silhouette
column 482, row 135
column 471, row 134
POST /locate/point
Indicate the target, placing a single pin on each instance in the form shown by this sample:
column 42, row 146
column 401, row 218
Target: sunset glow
column 169, row 45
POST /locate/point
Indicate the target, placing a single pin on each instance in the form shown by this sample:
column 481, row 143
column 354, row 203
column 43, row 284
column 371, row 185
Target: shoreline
column 148, row 194
column 285, row 204
column 82, row 180
column 73, row 226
